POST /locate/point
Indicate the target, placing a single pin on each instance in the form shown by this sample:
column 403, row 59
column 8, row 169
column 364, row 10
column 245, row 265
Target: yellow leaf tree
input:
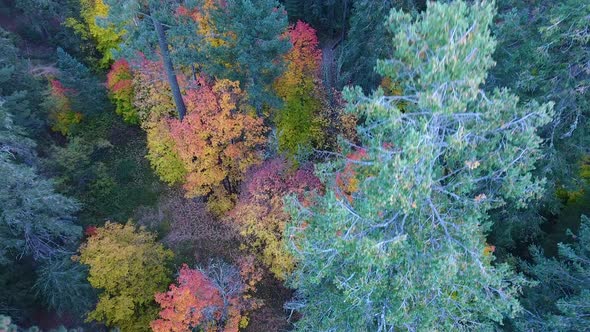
column 128, row 266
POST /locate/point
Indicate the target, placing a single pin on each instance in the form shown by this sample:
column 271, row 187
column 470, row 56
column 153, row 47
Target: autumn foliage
column 120, row 85
column 193, row 301
column 260, row 213
column 61, row 114
column 347, row 180
column 129, row 266
column 299, row 123
column 218, row 140
column 152, row 94
column 213, row 299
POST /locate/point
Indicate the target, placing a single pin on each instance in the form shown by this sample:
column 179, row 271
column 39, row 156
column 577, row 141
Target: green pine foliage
column 401, row 244
column 366, row 41
column 544, row 54
column 560, row 300
column 252, row 53
column 62, row 284
column 35, row 220
column 88, row 95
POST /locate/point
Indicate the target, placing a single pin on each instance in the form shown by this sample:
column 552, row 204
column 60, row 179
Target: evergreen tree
column 543, row 53
column 366, row 41
column 561, row 299
column 398, row 240
column 62, row 285
column 144, row 22
column 88, row 95
column 34, row 219
column 250, row 48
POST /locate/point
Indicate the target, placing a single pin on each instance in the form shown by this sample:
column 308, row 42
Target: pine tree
column 543, row 54
column 403, row 247
column 34, row 219
column 144, row 22
column 251, row 48
column 560, row 300
column 366, row 41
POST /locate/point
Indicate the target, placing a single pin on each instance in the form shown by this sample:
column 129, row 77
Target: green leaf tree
column 398, row 240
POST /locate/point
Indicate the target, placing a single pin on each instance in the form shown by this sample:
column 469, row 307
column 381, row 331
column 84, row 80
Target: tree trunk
column 180, row 107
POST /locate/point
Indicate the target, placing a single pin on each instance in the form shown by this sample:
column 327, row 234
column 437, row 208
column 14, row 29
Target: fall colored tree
column 213, row 299
column 147, row 24
column 120, row 85
column 128, row 266
column 61, row 115
column 192, row 302
column 218, row 141
column 152, row 96
column 260, row 213
column 92, row 26
column 299, row 122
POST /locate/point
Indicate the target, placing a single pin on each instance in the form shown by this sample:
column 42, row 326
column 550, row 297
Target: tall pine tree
column 398, row 240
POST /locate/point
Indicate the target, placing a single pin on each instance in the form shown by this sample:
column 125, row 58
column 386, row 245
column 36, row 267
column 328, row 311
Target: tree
column 547, row 65
column 107, row 38
column 73, row 93
column 142, row 20
column 62, row 284
column 152, row 96
column 162, row 152
column 194, row 302
column 408, row 250
column 550, row 63
column 217, row 141
column 366, row 40
column 120, row 85
column 248, row 48
column 129, row 267
column 87, row 94
column 299, row 123
column 559, row 302
column 58, row 104
column 34, row 219
column 260, row 215
column 209, row 299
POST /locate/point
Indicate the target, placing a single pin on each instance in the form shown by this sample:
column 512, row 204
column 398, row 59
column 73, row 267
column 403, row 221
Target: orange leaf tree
column 217, row 141
column 211, row 299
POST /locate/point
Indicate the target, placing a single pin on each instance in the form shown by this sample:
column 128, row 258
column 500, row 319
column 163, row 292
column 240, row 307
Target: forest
column 294, row 165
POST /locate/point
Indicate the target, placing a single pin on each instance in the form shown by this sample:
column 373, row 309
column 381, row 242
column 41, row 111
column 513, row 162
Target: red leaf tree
column 260, row 213
column 214, row 299
column 120, row 85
